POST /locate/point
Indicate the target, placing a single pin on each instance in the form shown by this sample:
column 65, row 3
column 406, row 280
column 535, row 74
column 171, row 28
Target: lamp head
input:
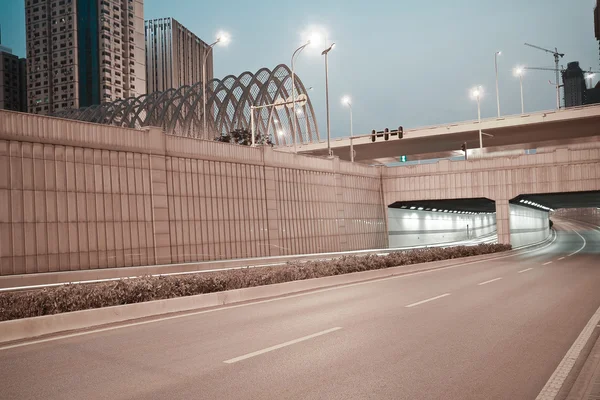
column 223, row 38
column 327, row 50
column 477, row 92
column 519, row 71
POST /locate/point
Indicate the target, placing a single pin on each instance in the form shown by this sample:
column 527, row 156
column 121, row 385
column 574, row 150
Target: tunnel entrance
column 531, row 215
column 437, row 222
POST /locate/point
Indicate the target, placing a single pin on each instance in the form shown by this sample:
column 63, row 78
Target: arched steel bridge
column 179, row 111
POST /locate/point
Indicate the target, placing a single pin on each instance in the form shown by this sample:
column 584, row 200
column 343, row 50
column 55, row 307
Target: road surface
column 490, row 330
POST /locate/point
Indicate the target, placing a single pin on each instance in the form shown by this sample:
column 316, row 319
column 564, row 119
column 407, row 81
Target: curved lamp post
column 325, row 53
column 224, row 39
column 347, row 101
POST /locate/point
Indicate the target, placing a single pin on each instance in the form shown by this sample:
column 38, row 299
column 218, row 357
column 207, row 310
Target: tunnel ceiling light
column 522, row 201
column 420, row 208
column 403, row 207
column 413, row 208
column 447, row 210
column 435, row 209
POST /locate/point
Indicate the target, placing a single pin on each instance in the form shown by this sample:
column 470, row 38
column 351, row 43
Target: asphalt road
column 491, row 330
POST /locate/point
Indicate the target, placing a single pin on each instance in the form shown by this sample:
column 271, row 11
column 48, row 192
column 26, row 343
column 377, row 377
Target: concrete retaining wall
column 414, row 227
column 498, row 179
column 590, row 215
column 77, row 196
column 527, row 226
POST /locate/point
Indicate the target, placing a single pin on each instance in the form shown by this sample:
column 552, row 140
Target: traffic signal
column 403, row 159
column 464, row 147
column 386, row 133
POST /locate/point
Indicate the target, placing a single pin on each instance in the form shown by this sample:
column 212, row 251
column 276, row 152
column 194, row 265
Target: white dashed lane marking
column 490, row 281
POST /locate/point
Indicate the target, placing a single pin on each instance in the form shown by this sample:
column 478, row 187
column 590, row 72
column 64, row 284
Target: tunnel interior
column 437, row 222
column 472, row 206
column 555, row 201
column 530, row 214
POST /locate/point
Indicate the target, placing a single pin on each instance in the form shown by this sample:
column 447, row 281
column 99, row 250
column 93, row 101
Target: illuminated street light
column 347, row 101
column 520, row 71
column 294, row 55
column 477, row 93
column 223, row 38
column 325, row 53
column 498, row 53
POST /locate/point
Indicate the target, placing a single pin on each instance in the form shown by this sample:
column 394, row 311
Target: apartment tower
column 173, row 56
column 83, row 52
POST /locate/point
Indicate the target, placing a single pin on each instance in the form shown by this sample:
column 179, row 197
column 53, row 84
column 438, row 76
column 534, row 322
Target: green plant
column 74, row 297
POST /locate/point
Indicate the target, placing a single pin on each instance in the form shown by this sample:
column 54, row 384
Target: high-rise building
column 173, row 56
column 83, row 52
column 12, row 86
column 574, row 85
column 597, row 25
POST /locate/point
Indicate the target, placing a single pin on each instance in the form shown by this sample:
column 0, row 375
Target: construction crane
column 557, row 57
column 588, row 74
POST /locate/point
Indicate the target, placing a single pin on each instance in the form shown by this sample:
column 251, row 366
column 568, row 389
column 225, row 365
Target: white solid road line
column 556, row 381
column 428, row 300
column 490, row 281
column 549, row 262
column 525, row 270
column 582, row 247
column 279, row 346
column 562, row 258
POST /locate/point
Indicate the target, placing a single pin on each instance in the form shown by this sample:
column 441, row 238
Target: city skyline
column 424, row 93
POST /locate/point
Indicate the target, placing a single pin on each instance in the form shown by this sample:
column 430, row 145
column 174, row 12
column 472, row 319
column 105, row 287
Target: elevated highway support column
column 503, row 221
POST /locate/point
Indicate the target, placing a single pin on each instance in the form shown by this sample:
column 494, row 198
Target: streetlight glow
column 519, row 71
column 346, row 100
column 223, row 38
column 314, row 36
column 477, row 92
column 280, row 132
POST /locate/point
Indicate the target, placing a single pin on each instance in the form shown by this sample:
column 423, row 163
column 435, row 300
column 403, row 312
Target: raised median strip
column 26, row 328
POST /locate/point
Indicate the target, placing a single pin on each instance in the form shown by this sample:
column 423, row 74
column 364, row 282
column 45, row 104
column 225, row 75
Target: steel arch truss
column 179, row 111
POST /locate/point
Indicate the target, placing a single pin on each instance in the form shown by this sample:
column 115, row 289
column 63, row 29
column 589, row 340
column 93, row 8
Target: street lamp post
column 325, row 53
column 348, row 101
column 221, row 38
column 294, row 55
column 519, row 72
column 497, row 90
column 476, row 93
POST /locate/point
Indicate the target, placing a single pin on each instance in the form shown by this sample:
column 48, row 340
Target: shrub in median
column 74, row 297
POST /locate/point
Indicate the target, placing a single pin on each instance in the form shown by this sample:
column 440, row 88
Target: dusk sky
column 403, row 62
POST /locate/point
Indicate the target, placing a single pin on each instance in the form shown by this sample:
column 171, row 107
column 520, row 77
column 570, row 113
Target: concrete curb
column 82, row 276
column 28, row 328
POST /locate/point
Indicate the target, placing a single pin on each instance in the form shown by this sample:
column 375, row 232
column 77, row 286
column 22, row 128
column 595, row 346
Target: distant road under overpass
column 446, row 140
